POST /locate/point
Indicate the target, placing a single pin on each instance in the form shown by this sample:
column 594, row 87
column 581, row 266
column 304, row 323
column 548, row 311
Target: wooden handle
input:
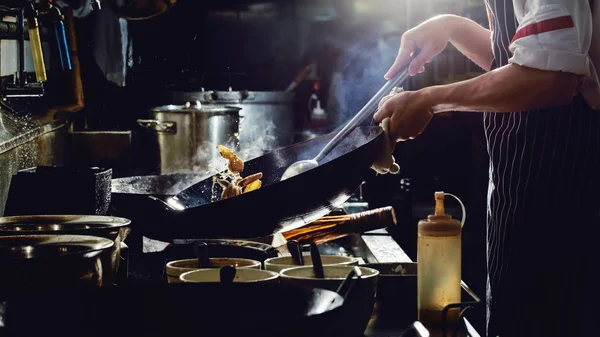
column 332, row 227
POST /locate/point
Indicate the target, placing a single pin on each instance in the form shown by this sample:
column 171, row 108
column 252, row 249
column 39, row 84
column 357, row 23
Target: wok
column 258, row 309
column 157, row 185
column 129, row 194
column 275, row 206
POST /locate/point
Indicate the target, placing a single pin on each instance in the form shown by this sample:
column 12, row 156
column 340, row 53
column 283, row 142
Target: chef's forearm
column 471, row 39
column 507, row 89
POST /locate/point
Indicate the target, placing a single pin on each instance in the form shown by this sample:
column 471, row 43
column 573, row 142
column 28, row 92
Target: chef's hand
column 430, row 37
column 408, row 112
column 386, row 163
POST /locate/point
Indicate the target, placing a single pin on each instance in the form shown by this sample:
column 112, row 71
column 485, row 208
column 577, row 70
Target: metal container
column 112, row 228
column 267, row 116
column 183, row 138
column 51, row 261
column 59, row 190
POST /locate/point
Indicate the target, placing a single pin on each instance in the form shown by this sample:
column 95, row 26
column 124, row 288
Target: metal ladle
column 370, row 108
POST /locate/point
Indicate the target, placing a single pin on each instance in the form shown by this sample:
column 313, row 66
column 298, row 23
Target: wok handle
column 158, row 126
column 348, row 284
column 367, row 111
column 330, row 228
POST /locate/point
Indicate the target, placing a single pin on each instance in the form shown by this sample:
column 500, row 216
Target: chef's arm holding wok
column 507, row 89
column 547, row 67
column 431, row 38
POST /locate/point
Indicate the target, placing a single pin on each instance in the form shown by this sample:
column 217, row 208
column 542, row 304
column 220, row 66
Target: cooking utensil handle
column 316, row 260
column 330, row 228
column 417, row 329
column 367, row 111
column 346, row 287
column 158, row 126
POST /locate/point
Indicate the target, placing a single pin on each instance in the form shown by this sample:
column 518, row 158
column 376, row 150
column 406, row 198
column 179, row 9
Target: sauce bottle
column 438, row 265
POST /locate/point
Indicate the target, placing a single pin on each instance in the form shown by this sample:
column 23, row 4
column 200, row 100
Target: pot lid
column 28, row 247
column 30, row 224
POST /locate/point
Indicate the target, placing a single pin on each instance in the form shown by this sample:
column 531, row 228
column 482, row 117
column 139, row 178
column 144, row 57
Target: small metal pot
column 112, row 228
column 183, row 138
column 51, row 261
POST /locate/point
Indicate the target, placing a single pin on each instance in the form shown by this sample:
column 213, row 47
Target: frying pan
column 239, row 309
column 194, row 213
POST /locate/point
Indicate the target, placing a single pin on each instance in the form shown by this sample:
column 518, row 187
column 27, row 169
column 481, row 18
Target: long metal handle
column 367, row 111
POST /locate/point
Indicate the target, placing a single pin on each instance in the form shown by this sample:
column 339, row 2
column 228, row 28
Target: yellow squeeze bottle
column 438, row 265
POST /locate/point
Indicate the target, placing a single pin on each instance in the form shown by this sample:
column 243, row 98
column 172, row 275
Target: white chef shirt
column 560, row 35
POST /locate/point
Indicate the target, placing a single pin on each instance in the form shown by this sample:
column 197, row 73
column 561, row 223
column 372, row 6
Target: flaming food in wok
column 233, row 183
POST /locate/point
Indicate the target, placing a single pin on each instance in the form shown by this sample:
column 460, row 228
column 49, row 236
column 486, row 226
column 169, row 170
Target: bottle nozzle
column 439, row 203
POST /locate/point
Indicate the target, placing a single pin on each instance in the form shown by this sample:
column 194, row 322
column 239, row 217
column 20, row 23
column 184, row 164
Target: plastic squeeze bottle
column 438, row 265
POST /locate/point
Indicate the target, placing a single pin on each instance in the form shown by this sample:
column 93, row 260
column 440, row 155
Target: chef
column 538, row 100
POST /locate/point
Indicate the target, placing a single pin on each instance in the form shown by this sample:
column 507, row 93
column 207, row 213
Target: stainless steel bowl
column 112, row 228
column 51, row 260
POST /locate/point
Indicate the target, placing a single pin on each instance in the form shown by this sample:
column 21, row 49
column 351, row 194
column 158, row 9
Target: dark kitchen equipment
column 316, row 259
column 202, row 253
column 112, row 228
column 50, row 261
column 227, row 274
column 156, row 185
column 184, row 248
column 275, row 206
column 204, row 309
column 396, row 290
column 296, row 251
column 184, row 138
column 139, row 10
column 59, row 190
column 267, row 116
column 131, row 194
column 358, row 305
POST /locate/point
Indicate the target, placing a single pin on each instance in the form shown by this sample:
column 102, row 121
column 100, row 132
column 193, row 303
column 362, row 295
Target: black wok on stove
column 277, row 205
column 201, row 310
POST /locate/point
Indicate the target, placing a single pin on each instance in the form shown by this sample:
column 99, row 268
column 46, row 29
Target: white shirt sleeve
column 553, row 35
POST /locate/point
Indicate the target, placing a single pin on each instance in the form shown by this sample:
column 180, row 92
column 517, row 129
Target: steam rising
column 359, row 74
column 254, row 140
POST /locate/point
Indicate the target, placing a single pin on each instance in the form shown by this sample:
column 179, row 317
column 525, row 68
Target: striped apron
column 543, row 211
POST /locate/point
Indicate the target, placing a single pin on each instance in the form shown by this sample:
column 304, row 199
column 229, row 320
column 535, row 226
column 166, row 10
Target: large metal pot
column 34, row 261
column 268, row 116
column 183, row 138
column 112, row 228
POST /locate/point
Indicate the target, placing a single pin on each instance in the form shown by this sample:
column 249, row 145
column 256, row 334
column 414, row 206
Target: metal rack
column 16, row 31
column 463, row 306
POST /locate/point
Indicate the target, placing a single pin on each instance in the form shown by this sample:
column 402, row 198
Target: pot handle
column 346, row 287
column 158, row 126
